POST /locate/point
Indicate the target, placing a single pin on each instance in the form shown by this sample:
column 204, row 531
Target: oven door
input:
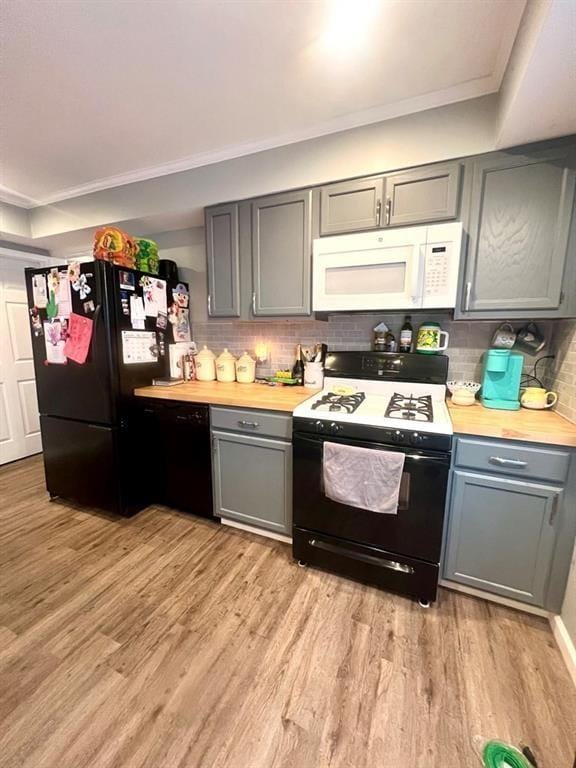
column 369, row 271
column 415, row 531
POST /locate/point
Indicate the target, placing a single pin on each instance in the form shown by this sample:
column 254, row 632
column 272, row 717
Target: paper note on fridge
column 137, row 313
column 79, row 335
column 54, row 341
column 139, row 347
column 39, row 291
column 155, row 298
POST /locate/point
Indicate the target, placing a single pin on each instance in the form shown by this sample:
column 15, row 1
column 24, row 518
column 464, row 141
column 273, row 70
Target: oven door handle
column 391, row 565
column 416, row 457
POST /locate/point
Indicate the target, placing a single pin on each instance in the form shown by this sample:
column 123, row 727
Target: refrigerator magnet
column 162, row 320
column 180, row 296
column 89, row 307
column 127, row 281
column 36, row 322
column 82, row 286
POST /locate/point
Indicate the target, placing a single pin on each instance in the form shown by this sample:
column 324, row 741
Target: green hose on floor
column 496, row 754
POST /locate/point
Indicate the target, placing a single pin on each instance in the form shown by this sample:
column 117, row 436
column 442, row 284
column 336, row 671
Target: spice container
column 225, row 366
column 205, row 365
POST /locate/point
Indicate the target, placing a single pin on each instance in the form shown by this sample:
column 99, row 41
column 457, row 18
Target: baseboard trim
column 509, row 603
column 257, row 531
column 565, row 644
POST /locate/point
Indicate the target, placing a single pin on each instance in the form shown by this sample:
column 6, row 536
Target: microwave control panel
column 440, row 275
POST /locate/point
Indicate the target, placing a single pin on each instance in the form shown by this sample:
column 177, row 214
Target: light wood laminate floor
column 169, row 642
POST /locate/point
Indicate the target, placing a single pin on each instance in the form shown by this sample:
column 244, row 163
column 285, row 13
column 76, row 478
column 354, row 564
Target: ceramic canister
column 225, row 366
column 429, row 340
column 245, row 369
column 313, row 375
column 205, row 366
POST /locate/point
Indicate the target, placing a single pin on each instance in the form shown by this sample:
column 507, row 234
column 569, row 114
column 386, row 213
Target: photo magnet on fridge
column 162, row 321
column 36, row 322
column 127, row 281
column 89, row 307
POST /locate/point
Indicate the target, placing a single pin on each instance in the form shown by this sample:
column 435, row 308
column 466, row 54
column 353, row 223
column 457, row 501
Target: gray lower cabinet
column 223, row 260
column 502, row 535
column 351, row 206
column 431, row 193
column 282, row 254
column 520, row 212
column 253, row 480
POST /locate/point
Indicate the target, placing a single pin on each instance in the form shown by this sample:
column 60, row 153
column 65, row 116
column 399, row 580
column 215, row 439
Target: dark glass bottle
column 298, row 369
column 406, row 334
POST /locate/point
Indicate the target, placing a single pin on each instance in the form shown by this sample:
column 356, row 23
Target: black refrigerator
column 90, row 456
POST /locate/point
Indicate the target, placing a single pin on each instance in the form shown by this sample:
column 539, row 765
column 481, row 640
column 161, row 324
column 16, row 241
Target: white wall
column 453, row 131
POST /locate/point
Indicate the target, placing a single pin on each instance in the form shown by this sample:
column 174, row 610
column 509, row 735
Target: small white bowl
column 471, row 386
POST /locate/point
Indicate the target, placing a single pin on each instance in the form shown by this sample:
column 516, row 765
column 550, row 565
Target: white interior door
column 19, row 422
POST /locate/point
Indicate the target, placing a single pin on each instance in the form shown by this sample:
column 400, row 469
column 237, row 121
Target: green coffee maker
column 501, row 379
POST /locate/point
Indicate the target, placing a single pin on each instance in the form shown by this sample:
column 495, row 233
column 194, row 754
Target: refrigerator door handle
column 95, row 318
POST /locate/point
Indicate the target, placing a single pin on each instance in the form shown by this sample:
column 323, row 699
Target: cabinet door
column 281, row 254
column 351, row 206
column 501, row 535
column 253, row 481
column 223, row 256
column 520, row 212
column 424, row 194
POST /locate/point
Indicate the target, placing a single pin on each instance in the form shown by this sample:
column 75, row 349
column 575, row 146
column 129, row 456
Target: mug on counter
column 537, row 398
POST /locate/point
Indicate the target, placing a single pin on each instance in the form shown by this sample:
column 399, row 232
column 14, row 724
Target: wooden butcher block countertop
column 529, row 425
column 267, row 398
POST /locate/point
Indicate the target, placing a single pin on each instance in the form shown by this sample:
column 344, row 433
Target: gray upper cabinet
column 502, row 535
column 223, row 260
column 351, row 206
column 282, row 254
column 425, row 194
column 519, row 224
column 253, row 480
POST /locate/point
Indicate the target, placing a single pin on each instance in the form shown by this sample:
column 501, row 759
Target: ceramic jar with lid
column 225, row 366
column 245, row 369
column 205, row 365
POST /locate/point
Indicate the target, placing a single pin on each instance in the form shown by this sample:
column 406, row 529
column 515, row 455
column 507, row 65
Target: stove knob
column 319, row 425
column 398, row 436
column 335, row 428
column 415, row 438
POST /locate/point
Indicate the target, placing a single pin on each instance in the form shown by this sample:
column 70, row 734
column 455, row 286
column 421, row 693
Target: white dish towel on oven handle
column 363, row 477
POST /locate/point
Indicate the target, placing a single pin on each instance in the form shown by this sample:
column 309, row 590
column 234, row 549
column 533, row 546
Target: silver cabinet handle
column 209, row 304
column 467, row 299
column 388, row 210
column 250, row 424
column 254, row 303
column 554, row 510
column 507, row 462
column 378, row 212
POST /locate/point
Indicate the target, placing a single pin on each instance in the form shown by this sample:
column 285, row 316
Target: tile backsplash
column 468, row 340
column 561, row 375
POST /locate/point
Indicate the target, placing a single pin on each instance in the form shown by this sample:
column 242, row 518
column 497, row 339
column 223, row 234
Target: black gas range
column 382, row 402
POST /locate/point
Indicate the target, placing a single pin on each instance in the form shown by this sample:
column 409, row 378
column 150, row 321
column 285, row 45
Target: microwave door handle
column 416, row 290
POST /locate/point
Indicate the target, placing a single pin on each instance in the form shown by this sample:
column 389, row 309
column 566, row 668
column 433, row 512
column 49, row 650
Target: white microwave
column 404, row 268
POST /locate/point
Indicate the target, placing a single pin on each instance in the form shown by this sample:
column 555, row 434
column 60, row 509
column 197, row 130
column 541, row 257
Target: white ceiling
column 97, row 93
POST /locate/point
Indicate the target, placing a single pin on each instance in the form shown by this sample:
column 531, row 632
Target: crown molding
column 11, row 197
column 472, row 89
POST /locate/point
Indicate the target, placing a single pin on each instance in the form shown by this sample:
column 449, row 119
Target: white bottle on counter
column 225, row 366
column 245, row 369
column 205, row 365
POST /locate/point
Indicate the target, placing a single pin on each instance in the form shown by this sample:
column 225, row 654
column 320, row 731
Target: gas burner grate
column 410, row 407
column 335, row 403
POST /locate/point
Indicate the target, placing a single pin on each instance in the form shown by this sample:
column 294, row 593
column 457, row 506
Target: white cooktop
column 377, row 398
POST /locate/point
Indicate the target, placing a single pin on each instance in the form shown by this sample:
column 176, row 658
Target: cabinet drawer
column 509, row 459
column 253, row 422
